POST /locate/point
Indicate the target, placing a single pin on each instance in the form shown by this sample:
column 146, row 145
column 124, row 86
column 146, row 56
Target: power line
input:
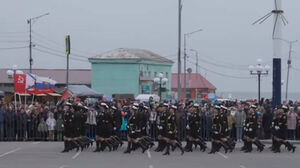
column 222, row 74
column 13, row 41
column 13, row 48
column 61, row 52
column 58, row 55
column 44, row 38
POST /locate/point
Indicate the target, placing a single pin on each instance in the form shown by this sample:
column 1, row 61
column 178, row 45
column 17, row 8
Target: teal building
column 129, row 71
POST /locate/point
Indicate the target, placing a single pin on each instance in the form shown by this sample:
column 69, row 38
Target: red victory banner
column 20, row 83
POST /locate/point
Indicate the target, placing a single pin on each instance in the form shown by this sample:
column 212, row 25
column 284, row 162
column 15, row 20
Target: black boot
column 224, row 145
column 180, row 147
column 167, row 150
column 248, row 147
column 260, row 146
column 128, row 150
column 276, row 146
column 189, row 146
column 229, row 146
column 213, row 148
column 66, row 147
column 290, row 146
column 160, row 144
column 143, row 145
column 97, row 147
column 202, row 146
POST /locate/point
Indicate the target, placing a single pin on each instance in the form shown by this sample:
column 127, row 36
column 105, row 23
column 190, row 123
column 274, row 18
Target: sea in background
column 254, row 95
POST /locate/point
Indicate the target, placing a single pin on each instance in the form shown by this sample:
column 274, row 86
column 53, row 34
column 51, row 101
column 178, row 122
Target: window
column 155, row 74
column 167, row 75
column 141, row 73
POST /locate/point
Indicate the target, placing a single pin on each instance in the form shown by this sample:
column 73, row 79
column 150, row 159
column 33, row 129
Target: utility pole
column 289, row 62
column 30, row 47
column 30, row 21
column 179, row 51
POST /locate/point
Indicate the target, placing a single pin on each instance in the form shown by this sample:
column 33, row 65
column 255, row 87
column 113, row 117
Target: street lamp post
column 197, row 63
column 186, row 35
column 259, row 70
column 160, row 80
column 30, row 21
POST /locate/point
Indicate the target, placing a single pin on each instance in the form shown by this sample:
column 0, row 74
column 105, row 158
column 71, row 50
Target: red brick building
column 197, row 86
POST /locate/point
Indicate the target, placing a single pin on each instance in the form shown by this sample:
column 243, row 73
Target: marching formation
column 109, row 122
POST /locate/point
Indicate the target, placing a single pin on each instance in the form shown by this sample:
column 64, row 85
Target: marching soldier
column 117, row 122
column 171, row 131
column 250, row 132
column 134, row 129
column 163, row 114
column 227, row 142
column 103, row 129
column 279, row 131
column 193, row 130
column 216, row 130
column 69, row 128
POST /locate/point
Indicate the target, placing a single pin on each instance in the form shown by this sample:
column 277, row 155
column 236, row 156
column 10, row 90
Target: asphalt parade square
column 47, row 155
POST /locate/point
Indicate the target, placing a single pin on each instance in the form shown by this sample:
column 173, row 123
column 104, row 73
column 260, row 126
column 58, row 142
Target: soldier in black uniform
column 227, row 143
column 69, row 128
column 216, row 131
column 161, row 125
column 279, row 131
column 134, row 130
column 250, row 131
column 80, row 117
column 144, row 117
column 171, row 132
column 103, row 129
column 193, row 130
column 117, row 122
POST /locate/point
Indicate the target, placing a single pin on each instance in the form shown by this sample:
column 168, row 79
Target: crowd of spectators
column 43, row 121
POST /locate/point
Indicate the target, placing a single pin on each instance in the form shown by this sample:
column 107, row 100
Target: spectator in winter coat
column 1, row 122
column 239, row 118
column 91, row 123
column 21, row 124
column 59, row 128
column 51, row 125
column 291, row 123
column 42, row 129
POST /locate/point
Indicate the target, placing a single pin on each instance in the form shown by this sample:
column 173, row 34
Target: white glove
column 62, row 126
column 250, row 129
column 188, row 127
column 277, row 127
column 115, row 128
column 170, row 132
column 247, row 125
column 216, row 132
column 160, row 127
column 132, row 132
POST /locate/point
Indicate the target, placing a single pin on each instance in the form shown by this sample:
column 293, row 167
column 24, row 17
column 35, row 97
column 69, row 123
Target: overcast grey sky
column 228, row 44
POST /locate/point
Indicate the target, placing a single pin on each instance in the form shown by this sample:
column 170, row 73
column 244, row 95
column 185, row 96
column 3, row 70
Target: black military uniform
column 134, row 130
column 171, row 132
column 163, row 115
column 103, row 129
column 279, row 131
column 193, row 131
column 215, row 131
column 69, row 129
